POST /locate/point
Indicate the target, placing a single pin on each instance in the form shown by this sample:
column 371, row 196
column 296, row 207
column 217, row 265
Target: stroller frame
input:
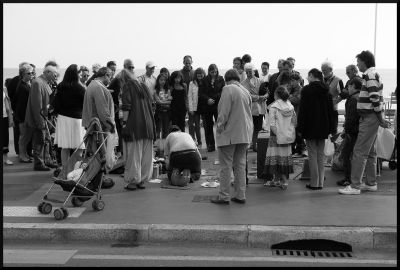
column 45, row 207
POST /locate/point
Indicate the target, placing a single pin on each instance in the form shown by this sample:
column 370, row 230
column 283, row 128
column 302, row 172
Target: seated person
column 182, row 153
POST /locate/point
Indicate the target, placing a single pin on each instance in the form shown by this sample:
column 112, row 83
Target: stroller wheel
column 46, row 208
column 76, row 202
column 65, row 212
column 40, row 207
column 58, row 214
column 392, row 165
column 98, row 205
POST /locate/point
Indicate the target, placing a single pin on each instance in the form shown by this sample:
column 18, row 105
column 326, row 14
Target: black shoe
column 25, row 160
column 313, row 188
column 140, row 185
column 42, row 169
column 219, row 201
column 211, row 149
column 343, row 182
column 130, row 187
column 236, row 200
column 52, row 165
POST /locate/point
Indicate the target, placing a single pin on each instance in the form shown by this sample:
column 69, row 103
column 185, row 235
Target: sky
column 84, row 34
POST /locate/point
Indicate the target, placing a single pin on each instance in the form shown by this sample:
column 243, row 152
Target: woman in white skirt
column 68, row 104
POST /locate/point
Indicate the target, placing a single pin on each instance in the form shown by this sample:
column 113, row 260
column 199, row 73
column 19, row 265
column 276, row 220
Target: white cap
column 150, row 64
column 249, row 66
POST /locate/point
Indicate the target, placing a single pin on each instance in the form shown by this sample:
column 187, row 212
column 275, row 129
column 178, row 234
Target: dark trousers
column 186, row 159
column 178, row 118
column 347, row 152
column 299, row 145
column 38, row 142
column 257, row 126
column 5, row 136
column 335, row 119
column 209, row 128
column 194, row 127
column 16, row 131
column 162, row 119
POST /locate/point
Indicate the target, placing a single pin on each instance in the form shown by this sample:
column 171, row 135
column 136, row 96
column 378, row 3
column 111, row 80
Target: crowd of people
column 146, row 109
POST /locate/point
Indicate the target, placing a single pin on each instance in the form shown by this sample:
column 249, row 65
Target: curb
column 247, row 235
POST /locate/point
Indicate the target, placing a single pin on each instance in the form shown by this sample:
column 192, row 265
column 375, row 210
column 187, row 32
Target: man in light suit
column 234, row 132
column 38, row 102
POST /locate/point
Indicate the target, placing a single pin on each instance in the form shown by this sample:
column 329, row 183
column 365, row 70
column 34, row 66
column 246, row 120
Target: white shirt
column 4, row 105
column 265, row 78
column 150, row 82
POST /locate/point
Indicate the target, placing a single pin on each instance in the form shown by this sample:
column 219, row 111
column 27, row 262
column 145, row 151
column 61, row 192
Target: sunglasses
column 30, row 73
column 131, row 67
column 85, row 76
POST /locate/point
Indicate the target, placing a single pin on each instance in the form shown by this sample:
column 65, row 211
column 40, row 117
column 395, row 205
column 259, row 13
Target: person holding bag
column 282, row 134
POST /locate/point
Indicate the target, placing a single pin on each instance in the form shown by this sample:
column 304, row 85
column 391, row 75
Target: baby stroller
column 82, row 176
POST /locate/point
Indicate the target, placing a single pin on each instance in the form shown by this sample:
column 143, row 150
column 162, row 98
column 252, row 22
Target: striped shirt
column 371, row 99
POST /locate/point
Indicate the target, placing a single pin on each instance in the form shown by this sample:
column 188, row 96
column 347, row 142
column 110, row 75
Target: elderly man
column 115, row 87
column 335, row 85
column 369, row 107
column 37, row 106
column 95, row 68
column 187, row 70
column 272, row 85
column 351, row 72
column 293, row 61
column 98, row 102
column 148, row 78
column 11, row 89
column 258, row 107
column 234, row 128
column 21, row 97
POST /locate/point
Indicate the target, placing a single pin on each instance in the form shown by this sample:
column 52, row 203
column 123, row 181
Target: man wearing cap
column 148, row 78
column 95, row 68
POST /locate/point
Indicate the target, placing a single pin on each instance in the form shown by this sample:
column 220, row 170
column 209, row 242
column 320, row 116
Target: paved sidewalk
column 179, row 214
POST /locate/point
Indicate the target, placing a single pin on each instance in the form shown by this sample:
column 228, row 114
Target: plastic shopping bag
column 111, row 158
column 384, row 143
column 329, row 149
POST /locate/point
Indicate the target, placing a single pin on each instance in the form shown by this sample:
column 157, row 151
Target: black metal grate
column 311, row 253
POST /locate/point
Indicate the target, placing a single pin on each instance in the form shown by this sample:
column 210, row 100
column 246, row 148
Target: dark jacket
column 12, row 89
column 21, row 96
column 315, row 119
column 115, row 86
column 69, row 100
column 207, row 91
column 140, row 123
column 273, row 84
column 352, row 118
column 188, row 76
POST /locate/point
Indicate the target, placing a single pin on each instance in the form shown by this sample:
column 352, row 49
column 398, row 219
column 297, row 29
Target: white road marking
column 31, row 211
column 27, row 256
column 233, row 259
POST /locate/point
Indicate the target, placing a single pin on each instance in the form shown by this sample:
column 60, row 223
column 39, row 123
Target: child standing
column 282, row 134
column 350, row 131
column 162, row 97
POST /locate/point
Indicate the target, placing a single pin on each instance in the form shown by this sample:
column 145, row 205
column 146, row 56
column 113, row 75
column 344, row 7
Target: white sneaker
column 348, row 190
column 365, row 187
